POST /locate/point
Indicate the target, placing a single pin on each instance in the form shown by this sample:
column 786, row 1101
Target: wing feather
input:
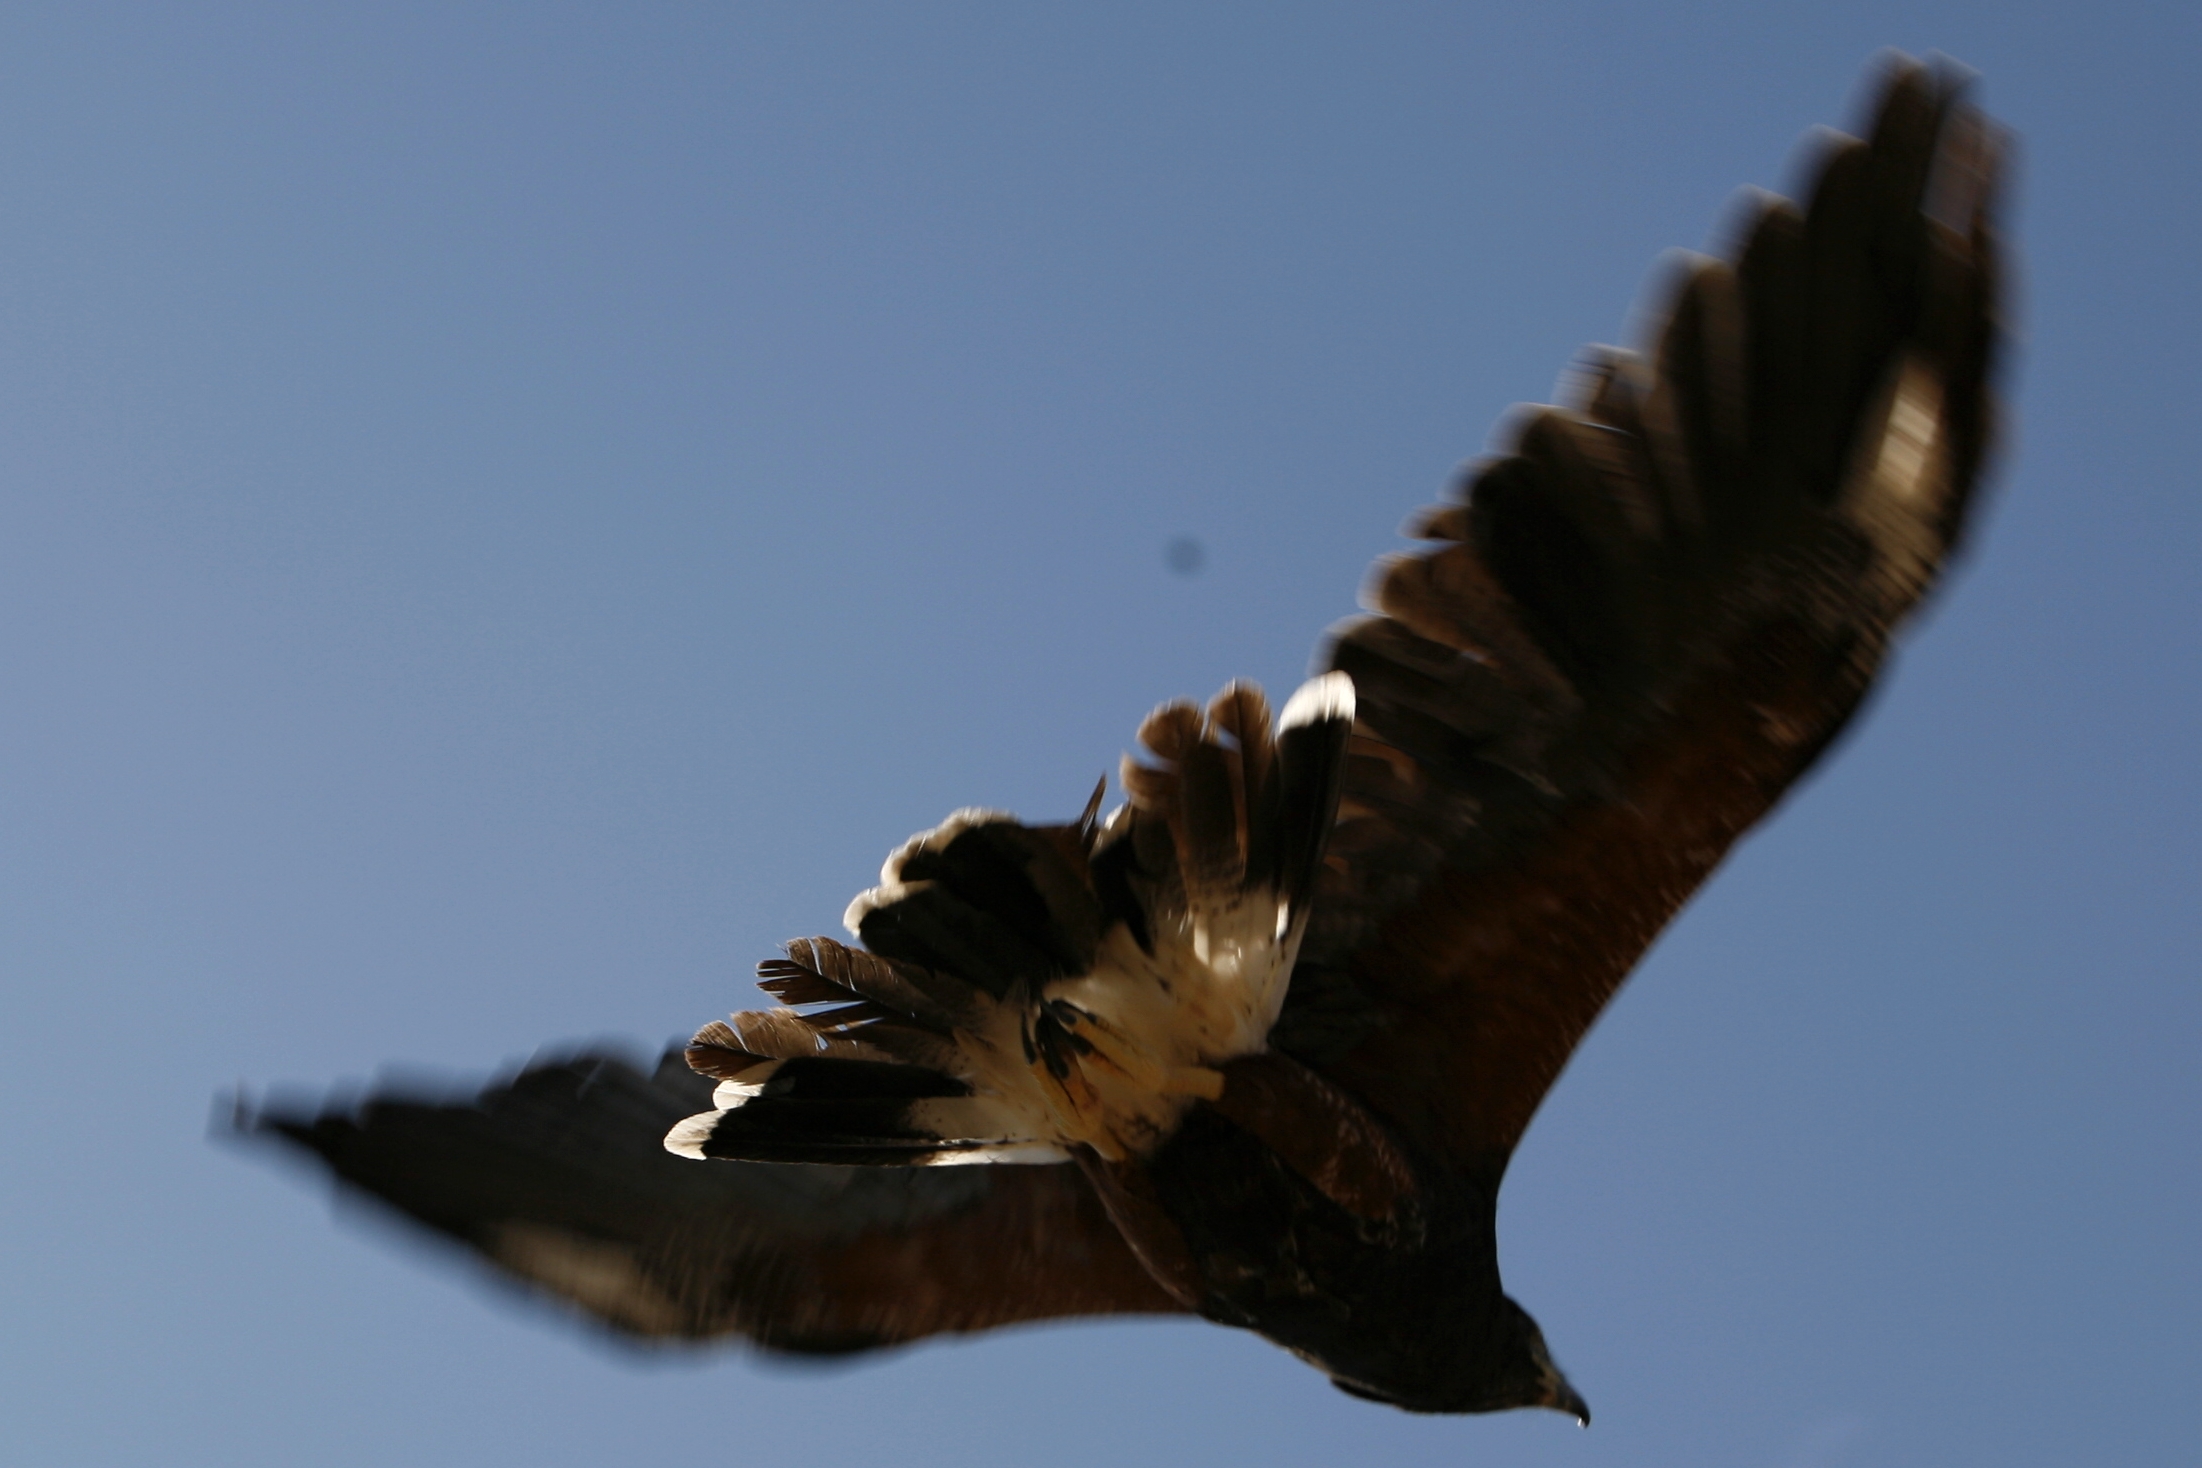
column 1642, row 624
column 559, row 1179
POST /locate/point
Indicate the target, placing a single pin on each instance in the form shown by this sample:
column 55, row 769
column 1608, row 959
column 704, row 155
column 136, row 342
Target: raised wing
column 560, row 1178
column 1644, row 623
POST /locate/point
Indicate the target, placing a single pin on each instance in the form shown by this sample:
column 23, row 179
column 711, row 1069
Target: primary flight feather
column 1258, row 1043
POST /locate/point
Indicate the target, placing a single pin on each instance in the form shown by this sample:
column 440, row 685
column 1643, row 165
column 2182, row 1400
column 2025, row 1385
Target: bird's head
column 1547, row 1385
column 1512, row 1369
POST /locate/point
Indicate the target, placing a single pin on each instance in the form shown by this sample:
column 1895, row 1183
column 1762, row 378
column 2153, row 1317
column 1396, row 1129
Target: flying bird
column 1258, row 1043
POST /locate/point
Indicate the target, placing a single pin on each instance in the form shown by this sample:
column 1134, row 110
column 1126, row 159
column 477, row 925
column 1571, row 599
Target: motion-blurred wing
column 561, row 1178
column 1643, row 624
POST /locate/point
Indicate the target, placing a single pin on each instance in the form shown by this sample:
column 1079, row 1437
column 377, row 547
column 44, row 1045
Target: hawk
column 1257, row 1044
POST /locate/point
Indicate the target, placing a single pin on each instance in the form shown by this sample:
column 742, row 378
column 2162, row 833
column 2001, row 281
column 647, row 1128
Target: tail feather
column 861, row 1029
column 836, row 973
column 1240, row 714
column 717, row 1052
column 987, row 903
column 1311, row 760
column 842, row 1083
column 950, row 1041
column 826, row 1108
column 1245, row 807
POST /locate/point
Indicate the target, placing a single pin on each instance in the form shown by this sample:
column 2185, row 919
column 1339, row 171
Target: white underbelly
column 1155, row 1027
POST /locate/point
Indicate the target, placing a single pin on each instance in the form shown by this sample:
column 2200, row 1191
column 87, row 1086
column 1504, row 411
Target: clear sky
column 506, row 513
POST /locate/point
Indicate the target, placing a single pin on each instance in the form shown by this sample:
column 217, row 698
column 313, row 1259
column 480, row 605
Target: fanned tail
column 1031, row 988
column 872, row 1077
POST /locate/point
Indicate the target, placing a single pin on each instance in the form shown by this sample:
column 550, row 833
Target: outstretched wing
column 1644, row 623
column 561, row 1179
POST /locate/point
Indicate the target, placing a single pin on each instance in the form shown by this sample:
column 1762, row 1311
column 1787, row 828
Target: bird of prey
column 1257, row 1044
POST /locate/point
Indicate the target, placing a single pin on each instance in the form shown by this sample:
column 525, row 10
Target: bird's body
column 1265, row 1038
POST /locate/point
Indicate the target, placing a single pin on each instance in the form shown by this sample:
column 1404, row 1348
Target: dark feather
column 717, row 1051
column 1644, row 626
column 923, row 996
column 993, row 906
column 791, row 983
column 1227, row 803
column 558, row 1178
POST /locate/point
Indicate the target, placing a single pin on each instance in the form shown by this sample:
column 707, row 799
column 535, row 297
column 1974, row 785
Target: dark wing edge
column 1647, row 620
column 558, row 1179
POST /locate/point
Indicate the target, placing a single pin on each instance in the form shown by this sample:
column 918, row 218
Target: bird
column 1257, row 1044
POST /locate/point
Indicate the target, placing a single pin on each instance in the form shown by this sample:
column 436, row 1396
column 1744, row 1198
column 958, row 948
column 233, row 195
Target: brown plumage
column 1620, row 646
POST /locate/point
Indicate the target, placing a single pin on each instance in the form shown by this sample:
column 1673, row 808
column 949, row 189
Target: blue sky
column 507, row 513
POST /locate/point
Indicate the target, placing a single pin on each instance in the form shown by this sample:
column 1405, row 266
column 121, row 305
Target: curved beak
column 1554, row 1390
column 1561, row 1397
